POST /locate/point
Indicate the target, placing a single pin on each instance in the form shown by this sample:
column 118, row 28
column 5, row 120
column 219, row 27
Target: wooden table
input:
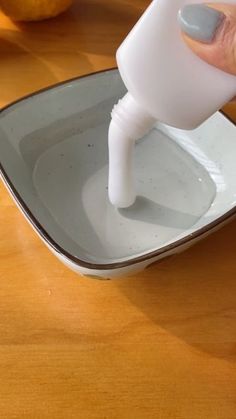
column 158, row 345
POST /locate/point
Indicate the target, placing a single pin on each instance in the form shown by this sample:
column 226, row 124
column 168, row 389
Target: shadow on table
column 38, row 62
column 27, row 71
column 88, row 26
column 193, row 295
column 56, row 49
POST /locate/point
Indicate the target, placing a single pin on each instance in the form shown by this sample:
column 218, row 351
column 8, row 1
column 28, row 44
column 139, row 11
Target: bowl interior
column 54, row 152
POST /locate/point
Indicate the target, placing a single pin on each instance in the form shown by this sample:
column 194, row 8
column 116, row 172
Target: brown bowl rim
column 60, row 250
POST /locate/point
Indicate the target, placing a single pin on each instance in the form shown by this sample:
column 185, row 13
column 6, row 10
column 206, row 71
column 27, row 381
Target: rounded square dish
column 54, row 161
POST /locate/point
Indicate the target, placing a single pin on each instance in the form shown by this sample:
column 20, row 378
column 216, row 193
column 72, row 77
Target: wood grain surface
column 161, row 344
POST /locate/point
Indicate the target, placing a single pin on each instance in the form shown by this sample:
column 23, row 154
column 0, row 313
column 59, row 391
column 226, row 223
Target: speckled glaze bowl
column 54, row 162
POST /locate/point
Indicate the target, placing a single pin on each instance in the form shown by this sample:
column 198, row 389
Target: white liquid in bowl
column 173, row 192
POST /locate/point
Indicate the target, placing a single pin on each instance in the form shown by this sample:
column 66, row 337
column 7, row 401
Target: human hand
column 210, row 31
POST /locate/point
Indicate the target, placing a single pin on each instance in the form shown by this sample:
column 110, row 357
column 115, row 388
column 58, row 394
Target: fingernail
column 200, row 22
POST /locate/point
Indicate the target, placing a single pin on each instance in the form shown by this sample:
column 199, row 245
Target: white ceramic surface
column 53, row 156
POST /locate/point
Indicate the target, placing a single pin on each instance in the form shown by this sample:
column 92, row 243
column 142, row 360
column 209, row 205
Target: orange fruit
column 33, row 9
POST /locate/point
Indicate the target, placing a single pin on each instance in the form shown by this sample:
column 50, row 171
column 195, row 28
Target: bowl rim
column 59, row 249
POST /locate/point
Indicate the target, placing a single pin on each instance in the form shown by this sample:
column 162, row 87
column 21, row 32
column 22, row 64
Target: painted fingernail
column 200, row 22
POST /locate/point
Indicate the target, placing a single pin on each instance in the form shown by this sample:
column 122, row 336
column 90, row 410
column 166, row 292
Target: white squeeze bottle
column 166, row 82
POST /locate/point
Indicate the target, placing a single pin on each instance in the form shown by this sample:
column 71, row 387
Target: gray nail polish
column 200, row 22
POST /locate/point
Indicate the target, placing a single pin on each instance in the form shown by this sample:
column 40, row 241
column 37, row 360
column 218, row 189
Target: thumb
column 210, row 31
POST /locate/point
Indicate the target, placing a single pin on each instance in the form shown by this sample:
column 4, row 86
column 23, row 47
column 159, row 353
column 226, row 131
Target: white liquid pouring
column 129, row 123
column 121, row 178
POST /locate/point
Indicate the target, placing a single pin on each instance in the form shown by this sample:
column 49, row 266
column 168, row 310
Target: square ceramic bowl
column 54, row 162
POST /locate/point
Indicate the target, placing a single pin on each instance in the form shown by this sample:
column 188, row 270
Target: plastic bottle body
column 164, row 76
column 165, row 82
